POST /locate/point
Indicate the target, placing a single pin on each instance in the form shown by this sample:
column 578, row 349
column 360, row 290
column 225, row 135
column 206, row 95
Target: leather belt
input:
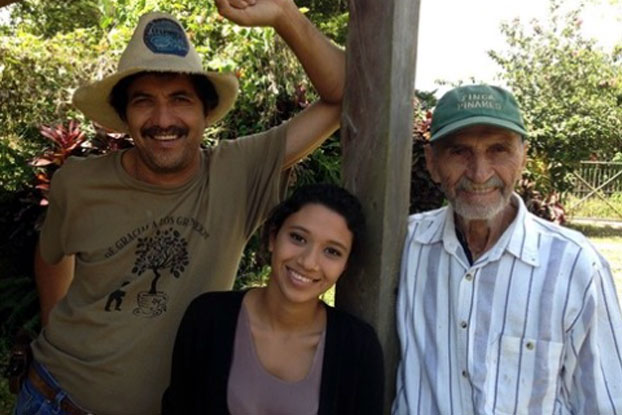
column 66, row 405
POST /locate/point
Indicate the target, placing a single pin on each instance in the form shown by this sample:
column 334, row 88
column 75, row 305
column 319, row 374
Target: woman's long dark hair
column 333, row 197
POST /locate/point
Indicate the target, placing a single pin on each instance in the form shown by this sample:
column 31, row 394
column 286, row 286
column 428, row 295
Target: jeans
column 31, row 402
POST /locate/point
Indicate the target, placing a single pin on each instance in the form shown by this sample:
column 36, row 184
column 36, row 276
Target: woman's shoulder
column 216, row 300
column 348, row 324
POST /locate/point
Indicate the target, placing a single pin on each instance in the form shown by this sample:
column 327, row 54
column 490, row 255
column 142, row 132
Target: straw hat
column 159, row 44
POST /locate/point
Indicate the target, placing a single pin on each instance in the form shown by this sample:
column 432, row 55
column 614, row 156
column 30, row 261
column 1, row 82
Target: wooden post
column 7, row 2
column 376, row 133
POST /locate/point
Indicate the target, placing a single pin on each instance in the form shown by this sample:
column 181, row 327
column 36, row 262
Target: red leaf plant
column 64, row 141
column 71, row 141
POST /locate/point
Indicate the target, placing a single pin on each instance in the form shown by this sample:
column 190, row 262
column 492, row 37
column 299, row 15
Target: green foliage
column 50, row 48
column 7, row 400
column 14, row 169
column 37, row 78
column 324, row 166
column 424, row 193
column 335, row 27
column 16, row 308
column 331, row 17
column 569, row 89
column 48, row 18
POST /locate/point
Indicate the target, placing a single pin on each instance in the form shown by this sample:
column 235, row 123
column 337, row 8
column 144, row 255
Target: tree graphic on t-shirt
column 164, row 250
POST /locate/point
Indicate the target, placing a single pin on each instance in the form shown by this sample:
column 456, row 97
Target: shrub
column 569, row 89
column 424, row 193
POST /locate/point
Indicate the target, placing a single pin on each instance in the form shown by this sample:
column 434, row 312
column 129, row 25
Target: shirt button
column 529, row 345
column 463, row 324
column 468, row 277
column 465, row 374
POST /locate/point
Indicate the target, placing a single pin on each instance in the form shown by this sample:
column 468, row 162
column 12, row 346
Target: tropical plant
column 569, row 89
column 547, row 207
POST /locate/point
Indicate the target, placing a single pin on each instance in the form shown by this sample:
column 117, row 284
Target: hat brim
column 479, row 120
column 93, row 99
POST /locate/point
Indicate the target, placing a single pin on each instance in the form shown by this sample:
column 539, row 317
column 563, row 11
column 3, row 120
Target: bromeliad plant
column 71, row 141
column 65, row 141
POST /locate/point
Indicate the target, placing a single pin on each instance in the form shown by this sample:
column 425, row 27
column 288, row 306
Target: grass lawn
column 594, row 207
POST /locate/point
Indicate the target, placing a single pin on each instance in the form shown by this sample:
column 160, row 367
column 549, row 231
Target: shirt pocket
column 522, row 376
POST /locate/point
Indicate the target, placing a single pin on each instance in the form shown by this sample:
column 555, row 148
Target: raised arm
column 52, row 282
column 323, row 62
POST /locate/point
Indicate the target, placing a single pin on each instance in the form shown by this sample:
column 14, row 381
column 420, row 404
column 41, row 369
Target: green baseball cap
column 476, row 105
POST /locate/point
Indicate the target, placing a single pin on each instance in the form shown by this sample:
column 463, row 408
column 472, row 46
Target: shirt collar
column 523, row 237
column 430, row 228
column 519, row 239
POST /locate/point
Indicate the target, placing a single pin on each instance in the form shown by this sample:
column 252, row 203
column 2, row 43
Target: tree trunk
column 154, row 282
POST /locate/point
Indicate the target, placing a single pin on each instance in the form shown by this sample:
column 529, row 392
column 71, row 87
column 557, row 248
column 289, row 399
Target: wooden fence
column 602, row 175
column 597, row 179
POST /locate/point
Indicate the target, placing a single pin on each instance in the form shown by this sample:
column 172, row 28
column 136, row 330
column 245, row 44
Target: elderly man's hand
column 254, row 12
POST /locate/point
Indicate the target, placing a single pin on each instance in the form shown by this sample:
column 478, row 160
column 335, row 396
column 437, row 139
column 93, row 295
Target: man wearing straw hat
column 131, row 238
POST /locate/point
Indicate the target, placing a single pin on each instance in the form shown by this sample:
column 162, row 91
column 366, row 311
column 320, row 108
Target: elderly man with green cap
column 499, row 311
column 131, row 238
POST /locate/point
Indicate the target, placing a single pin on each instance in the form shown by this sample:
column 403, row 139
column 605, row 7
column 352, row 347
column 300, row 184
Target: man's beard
column 161, row 162
column 471, row 211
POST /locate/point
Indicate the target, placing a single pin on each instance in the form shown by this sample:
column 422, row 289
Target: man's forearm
column 52, row 282
column 323, row 61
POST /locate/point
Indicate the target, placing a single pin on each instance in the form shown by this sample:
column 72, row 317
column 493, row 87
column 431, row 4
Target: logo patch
column 166, row 36
column 474, row 101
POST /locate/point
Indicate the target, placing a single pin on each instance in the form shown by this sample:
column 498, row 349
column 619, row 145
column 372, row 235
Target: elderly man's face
column 477, row 169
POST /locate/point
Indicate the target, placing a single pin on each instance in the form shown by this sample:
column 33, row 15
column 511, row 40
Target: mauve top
column 253, row 390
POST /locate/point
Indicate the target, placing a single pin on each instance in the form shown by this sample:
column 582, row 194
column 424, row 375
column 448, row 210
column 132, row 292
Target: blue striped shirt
column 533, row 326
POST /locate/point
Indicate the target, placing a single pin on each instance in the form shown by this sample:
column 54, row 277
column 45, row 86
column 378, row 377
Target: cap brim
column 93, row 99
column 479, row 120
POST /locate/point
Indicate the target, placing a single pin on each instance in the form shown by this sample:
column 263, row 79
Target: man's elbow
column 333, row 96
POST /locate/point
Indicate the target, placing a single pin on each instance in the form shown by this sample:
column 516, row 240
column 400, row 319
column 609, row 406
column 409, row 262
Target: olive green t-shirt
column 143, row 252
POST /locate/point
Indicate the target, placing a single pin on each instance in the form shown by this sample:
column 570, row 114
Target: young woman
column 279, row 349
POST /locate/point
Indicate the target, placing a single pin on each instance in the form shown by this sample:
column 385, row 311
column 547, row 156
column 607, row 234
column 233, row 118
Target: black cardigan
column 352, row 369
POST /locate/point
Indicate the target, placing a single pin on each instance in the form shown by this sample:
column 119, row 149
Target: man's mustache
column 155, row 130
column 468, row 185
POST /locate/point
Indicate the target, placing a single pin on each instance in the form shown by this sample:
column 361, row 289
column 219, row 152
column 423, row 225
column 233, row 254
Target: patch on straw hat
column 159, row 44
column 166, row 36
column 476, row 105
